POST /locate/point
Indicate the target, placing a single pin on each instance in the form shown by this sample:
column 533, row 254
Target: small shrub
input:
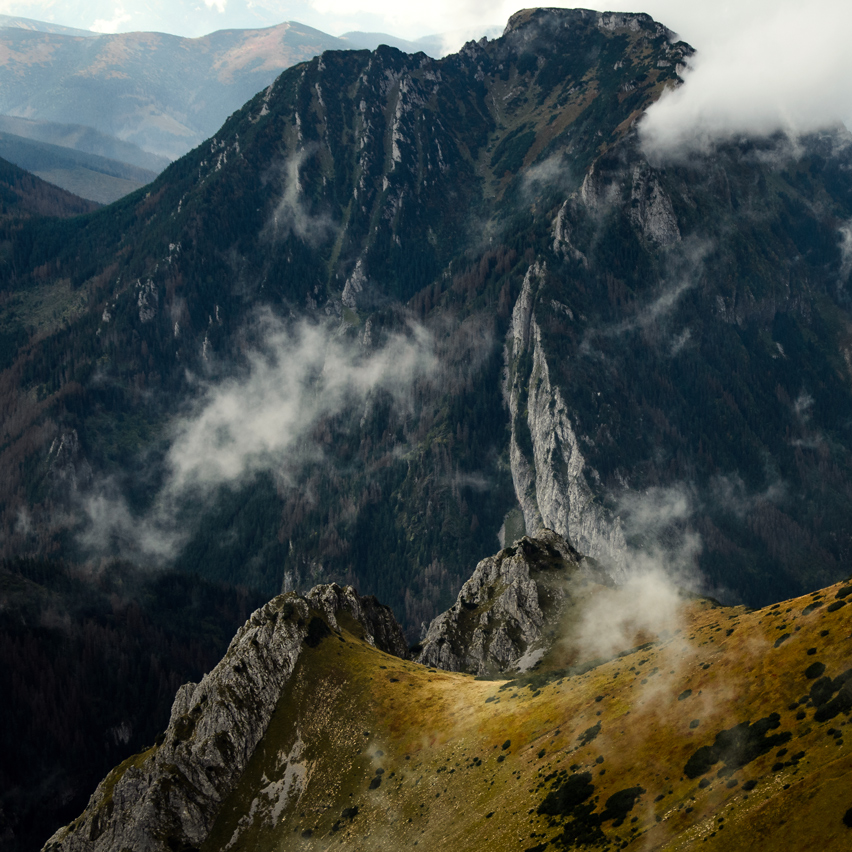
column 589, row 734
column 822, row 691
column 619, row 804
column 814, row 670
column 685, row 694
column 562, row 800
column 737, row 747
column 833, row 607
column 317, row 631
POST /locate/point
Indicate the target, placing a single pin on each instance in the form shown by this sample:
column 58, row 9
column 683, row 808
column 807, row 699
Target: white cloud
column 262, row 420
column 113, row 25
column 786, row 70
column 291, row 214
column 219, row 5
column 253, row 422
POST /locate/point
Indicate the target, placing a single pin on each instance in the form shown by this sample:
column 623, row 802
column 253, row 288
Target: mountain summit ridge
column 173, row 791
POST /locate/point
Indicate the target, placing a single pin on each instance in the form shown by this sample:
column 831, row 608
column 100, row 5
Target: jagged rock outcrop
column 378, row 626
column 651, row 208
column 68, row 468
column 506, row 611
column 168, row 797
column 548, row 467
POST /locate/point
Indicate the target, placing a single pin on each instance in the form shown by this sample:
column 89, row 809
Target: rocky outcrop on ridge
column 504, row 613
column 377, row 622
column 168, row 797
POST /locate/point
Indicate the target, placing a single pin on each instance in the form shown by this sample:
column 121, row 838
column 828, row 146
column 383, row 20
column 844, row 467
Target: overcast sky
column 763, row 65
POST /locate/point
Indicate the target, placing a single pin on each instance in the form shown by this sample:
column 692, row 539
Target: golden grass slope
column 366, row 751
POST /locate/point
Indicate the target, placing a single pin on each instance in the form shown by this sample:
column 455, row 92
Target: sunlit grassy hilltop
column 367, row 751
column 724, row 730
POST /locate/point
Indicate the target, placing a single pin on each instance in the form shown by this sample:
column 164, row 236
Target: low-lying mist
column 259, row 419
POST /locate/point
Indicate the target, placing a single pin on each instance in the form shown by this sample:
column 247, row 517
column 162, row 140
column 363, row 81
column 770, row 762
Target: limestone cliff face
column 548, row 468
column 168, row 797
column 651, row 208
column 505, row 612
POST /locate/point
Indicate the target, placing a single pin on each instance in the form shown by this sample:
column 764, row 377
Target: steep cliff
column 169, row 796
column 511, row 611
column 548, row 467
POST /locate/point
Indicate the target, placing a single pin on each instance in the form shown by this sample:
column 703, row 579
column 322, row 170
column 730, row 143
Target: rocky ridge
column 506, row 612
column 370, row 751
column 168, row 797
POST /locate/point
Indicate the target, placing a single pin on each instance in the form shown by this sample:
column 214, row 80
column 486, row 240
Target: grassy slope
column 351, row 710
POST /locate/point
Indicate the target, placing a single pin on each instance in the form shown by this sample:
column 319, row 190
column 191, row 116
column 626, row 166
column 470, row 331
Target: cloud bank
column 784, row 70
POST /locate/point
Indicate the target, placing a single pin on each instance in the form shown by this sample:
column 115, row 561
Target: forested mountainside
column 23, row 195
column 395, row 303
column 89, row 666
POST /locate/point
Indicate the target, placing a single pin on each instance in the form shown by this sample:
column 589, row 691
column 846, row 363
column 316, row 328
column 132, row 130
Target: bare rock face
column 167, row 798
column 651, row 209
column 549, row 471
column 376, row 621
column 504, row 611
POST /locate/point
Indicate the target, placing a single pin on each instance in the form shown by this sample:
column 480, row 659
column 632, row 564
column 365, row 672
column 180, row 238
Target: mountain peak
column 609, row 21
column 508, row 612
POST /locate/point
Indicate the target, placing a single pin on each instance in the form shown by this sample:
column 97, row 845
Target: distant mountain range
column 84, row 139
column 23, row 195
column 163, row 93
column 44, row 27
column 87, row 175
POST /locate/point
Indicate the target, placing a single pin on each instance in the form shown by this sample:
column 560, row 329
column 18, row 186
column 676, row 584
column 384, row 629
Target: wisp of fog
column 258, row 420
